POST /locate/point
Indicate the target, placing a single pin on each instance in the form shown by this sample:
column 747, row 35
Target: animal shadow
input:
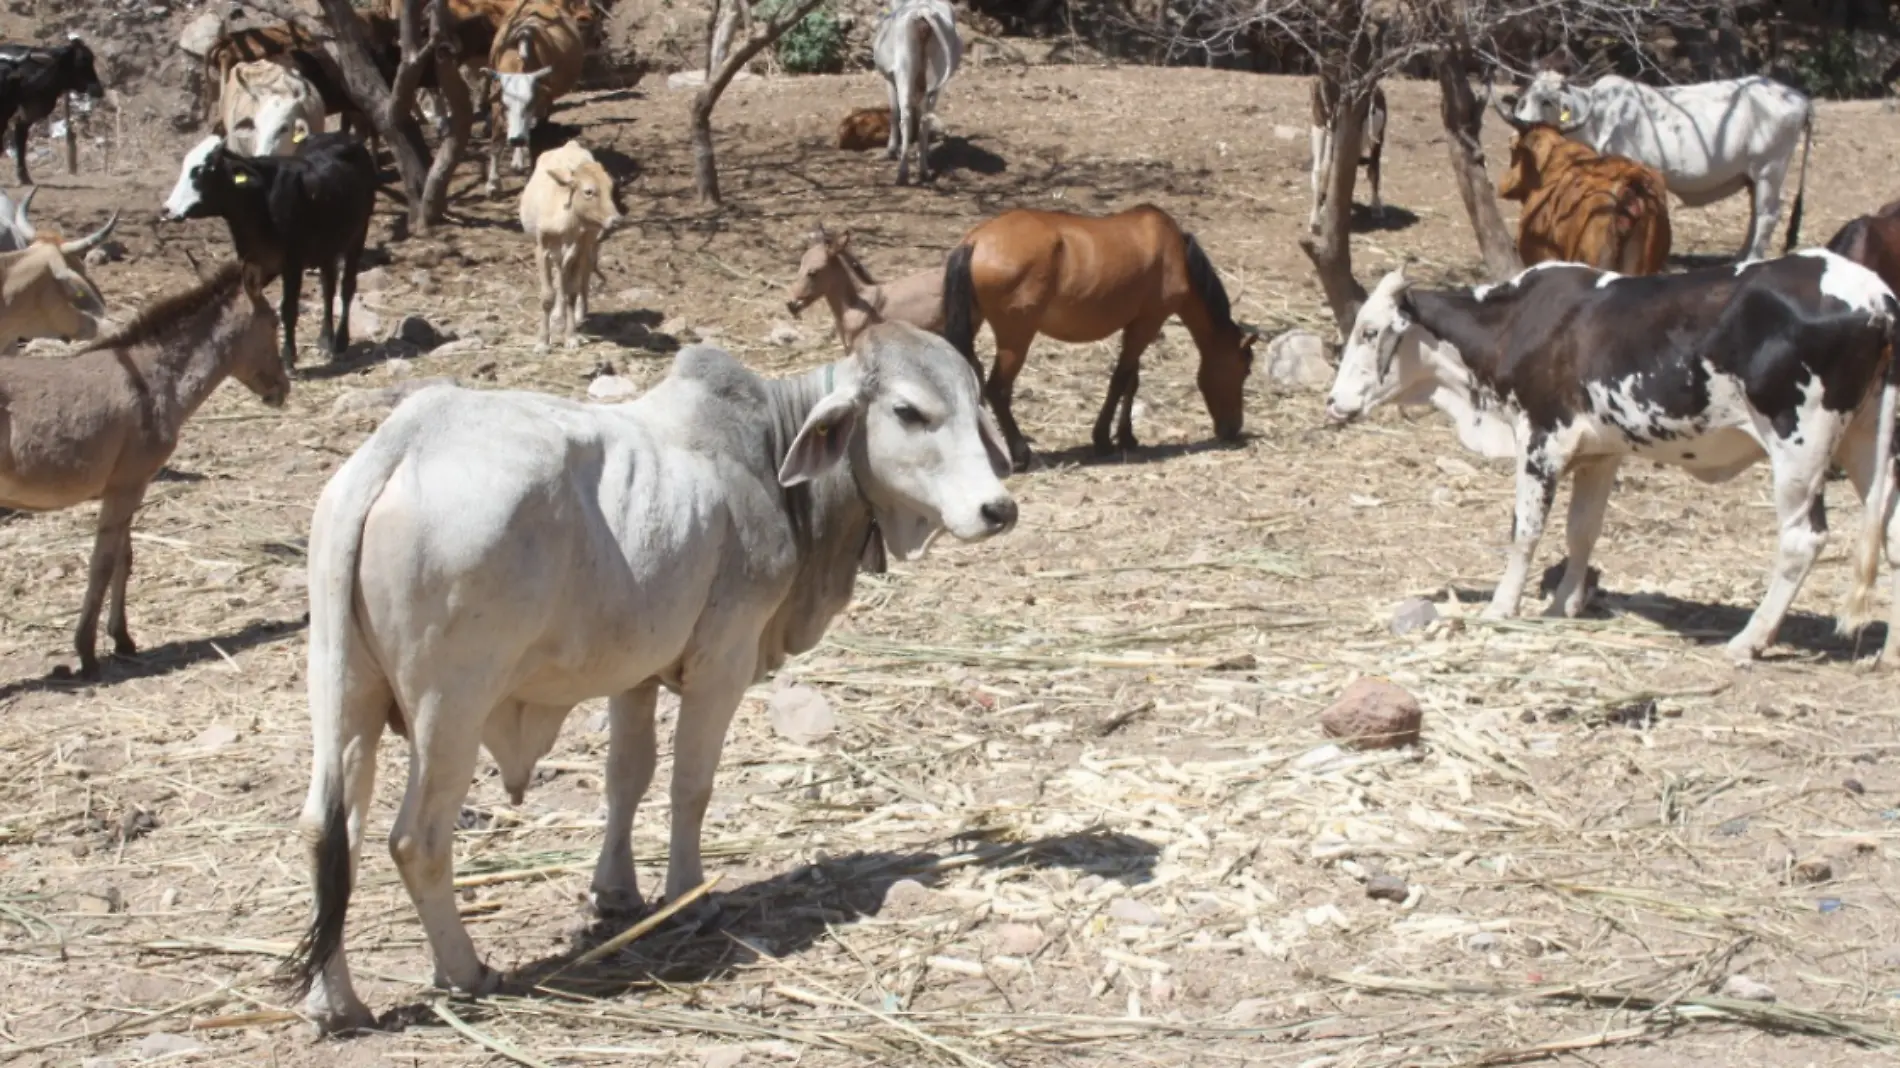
column 786, row 914
column 1388, row 219
column 961, row 154
column 1086, row 456
column 162, row 659
column 633, row 328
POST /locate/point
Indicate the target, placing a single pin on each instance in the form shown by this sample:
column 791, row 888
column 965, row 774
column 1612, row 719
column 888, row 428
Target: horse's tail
column 1801, row 187
column 1205, row 281
column 1880, row 492
column 959, row 301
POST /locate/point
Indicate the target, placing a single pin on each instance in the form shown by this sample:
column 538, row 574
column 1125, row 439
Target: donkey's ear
column 822, row 441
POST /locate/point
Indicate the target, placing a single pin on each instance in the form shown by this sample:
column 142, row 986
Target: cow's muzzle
column 998, row 515
column 1337, row 416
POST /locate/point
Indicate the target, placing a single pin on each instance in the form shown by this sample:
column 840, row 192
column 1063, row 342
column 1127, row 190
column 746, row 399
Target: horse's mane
column 164, row 315
column 1206, row 283
column 852, row 264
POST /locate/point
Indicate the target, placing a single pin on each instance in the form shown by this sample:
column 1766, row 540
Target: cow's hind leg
column 326, row 279
column 1800, row 471
column 631, row 752
column 20, row 128
column 573, row 292
column 423, row 838
column 893, row 143
column 1590, row 486
column 1539, row 466
column 292, row 282
column 350, row 702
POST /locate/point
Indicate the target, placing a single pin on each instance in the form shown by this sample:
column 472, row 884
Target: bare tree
column 389, row 103
column 1353, row 44
column 705, row 165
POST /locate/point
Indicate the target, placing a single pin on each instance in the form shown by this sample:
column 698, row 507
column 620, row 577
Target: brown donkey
column 1080, row 278
column 829, row 271
column 99, row 424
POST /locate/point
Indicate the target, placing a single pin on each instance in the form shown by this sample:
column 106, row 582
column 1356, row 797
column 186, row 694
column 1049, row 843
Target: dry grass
column 1090, row 747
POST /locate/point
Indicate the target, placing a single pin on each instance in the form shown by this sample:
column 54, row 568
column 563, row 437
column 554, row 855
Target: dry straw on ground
column 1078, row 810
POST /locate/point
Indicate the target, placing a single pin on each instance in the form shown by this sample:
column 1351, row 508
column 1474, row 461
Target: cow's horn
column 20, row 223
column 91, row 241
column 1504, row 113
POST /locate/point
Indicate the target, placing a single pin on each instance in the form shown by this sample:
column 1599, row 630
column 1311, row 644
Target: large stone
column 1373, row 714
column 1297, row 359
column 800, row 714
column 1413, row 613
column 610, row 389
column 419, row 332
column 200, row 34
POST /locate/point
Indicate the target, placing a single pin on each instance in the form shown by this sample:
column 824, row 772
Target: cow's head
column 590, row 194
column 47, row 291
column 269, row 107
column 818, row 269
column 1379, row 362
column 212, row 182
column 905, row 413
column 1550, row 99
column 1532, row 148
column 517, row 102
column 76, row 72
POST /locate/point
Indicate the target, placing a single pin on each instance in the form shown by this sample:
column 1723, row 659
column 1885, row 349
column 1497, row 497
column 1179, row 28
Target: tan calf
column 567, row 208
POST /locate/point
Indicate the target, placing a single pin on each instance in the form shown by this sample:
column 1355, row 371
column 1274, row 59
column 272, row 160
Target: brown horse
column 1080, row 278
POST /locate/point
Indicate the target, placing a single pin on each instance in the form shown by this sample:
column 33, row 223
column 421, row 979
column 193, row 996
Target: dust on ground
column 1089, row 746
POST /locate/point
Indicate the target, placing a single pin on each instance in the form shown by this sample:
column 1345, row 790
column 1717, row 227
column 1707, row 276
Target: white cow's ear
column 822, row 441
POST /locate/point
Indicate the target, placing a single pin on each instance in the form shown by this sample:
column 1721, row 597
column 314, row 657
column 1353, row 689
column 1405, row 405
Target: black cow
column 287, row 213
column 33, row 81
column 1572, row 369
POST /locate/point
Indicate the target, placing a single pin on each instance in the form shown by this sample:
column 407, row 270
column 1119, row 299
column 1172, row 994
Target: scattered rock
column 363, row 321
column 1287, row 133
column 1743, row 988
column 610, row 389
column 783, row 334
column 1018, row 939
column 1732, row 828
column 1853, row 786
column 169, row 899
column 419, row 332
column 1388, row 888
column 200, row 34
column 1249, row 1011
column 801, row 715
column 1130, row 910
column 374, row 280
column 677, row 326
column 1298, row 358
column 136, row 824
column 1454, row 467
column 100, row 904
column 164, row 1044
column 1373, row 714
column 1811, row 870
column 1483, row 942
column 214, row 737
column 723, row 1057
column 1639, row 714
column 1413, row 613
column 369, row 400
column 906, row 897
column 456, row 347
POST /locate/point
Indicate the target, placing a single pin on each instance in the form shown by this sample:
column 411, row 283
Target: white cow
column 488, row 559
column 270, row 109
column 1709, row 140
column 917, row 50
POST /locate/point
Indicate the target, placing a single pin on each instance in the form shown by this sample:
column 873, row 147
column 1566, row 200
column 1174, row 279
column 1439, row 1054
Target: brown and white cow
column 44, row 290
column 536, row 59
column 269, row 109
column 1325, row 101
column 1571, row 370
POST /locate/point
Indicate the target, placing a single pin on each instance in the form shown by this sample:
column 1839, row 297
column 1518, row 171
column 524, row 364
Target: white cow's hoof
column 1492, row 611
column 329, row 1019
column 1742, row 652
column 573, row 343
column 541, row 347
column 486, row 982
column 616, row 903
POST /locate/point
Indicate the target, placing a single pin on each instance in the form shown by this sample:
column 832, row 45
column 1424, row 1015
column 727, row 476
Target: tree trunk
column 705, row 164
column 724, row 23
column 1331, row 251
column 390, row 106
column 448, row 154
column 1463, row 118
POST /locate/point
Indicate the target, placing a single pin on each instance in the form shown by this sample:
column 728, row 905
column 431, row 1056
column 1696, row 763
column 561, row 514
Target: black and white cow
column 1709, row 140
column 1570, row 369
column 34, row 80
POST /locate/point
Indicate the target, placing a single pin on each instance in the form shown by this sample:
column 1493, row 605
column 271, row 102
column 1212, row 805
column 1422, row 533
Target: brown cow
column 1580, row 207
column 536, row 59
column 865, row 129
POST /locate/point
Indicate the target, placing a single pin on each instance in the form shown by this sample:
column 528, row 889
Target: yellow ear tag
column 240, row 178
column 1565, row 117
column 822, row 429
column 297, row 138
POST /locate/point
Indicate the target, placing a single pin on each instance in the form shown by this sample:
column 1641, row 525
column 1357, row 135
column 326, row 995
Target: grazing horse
column 917, row 50
column 829, row 271
column 96, row 426
column 1080, row 278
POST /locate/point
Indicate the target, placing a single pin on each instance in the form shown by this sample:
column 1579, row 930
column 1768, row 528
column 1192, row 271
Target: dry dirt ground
column 1090, row 747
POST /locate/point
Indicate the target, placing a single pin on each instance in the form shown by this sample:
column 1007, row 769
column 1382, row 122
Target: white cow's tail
column 1880, row 492
column 1801, row 185
column 335, row 548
